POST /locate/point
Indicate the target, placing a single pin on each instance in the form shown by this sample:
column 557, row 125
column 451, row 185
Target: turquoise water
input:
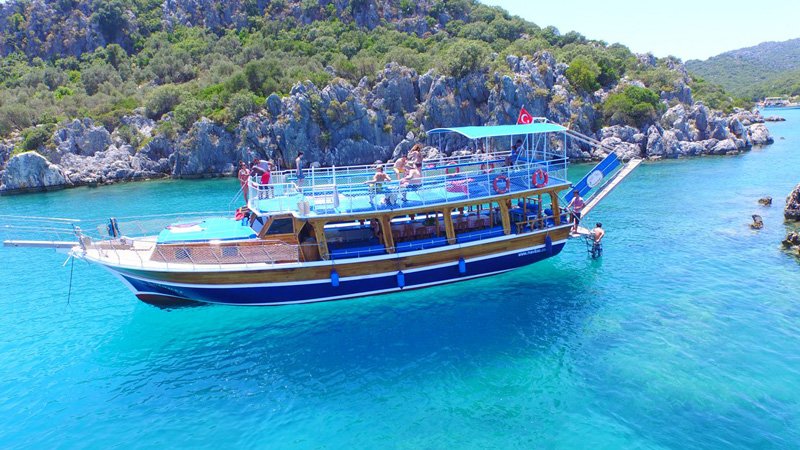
column 686, row 334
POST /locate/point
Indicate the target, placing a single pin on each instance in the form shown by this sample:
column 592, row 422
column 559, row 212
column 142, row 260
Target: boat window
column 531, row 213
column 281, row 226
column 419, row 231
column 477, row 222
column 355, row 239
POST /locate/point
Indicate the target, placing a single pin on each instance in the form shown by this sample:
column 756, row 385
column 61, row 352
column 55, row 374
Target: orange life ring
column 447, row 169
column 540, row 178
column 496, row 182
column 487, row 167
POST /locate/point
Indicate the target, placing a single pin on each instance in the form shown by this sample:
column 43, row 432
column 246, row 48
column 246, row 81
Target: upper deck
column 332, row 191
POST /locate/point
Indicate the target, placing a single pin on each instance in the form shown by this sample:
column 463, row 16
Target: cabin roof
column 478, row 132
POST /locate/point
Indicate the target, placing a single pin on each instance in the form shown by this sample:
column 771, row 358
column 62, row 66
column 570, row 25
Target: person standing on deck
column 266, row 167
column 400, row 166
column 257, row 171
column 415, row 155
column 576, row 205
column 244, row 177
column 300, row 175
column 515, row 151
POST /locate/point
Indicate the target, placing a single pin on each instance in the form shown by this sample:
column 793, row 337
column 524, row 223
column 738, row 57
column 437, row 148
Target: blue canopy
column 501, row 130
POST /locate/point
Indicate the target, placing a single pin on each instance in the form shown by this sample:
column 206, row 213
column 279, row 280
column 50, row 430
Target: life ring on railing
column 540, row 178
column 496, row 184
column 451, row 165
column 487, row 167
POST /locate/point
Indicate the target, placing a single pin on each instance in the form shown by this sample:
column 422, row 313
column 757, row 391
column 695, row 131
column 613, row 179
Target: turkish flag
column 524, row 117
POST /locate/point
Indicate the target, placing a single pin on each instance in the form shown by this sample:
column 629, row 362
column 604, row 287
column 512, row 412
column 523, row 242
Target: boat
column 329, row 233
column 778, row 103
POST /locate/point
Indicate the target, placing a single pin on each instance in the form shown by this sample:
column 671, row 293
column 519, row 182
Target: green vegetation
column 583, row 73
column 716, row 97
column 634, row 105
column 223, row 75
column 770, row 69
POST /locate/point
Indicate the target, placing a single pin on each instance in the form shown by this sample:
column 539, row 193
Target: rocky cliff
column 50, row 29
column 345, row 124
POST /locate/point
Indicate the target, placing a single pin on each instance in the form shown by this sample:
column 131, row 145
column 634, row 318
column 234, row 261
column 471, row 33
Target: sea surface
column 685, row 334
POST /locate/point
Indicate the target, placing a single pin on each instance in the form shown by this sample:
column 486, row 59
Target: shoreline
column 209, row 176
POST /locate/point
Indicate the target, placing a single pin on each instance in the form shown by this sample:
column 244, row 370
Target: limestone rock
column 30, row 172
column 80, row 137
column 5, row 152
column 759, row 134
column 624, row 150
column 792, row 209
column 207, row 150
column 724, row 147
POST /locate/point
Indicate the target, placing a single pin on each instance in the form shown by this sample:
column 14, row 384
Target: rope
column 71, row 269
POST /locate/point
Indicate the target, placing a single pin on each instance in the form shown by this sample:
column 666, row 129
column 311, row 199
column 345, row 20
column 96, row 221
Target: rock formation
column 792, row 209
column 345, row 124
column 31, row 172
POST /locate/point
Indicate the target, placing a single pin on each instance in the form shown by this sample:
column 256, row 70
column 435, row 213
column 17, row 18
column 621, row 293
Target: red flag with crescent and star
column 524, row 117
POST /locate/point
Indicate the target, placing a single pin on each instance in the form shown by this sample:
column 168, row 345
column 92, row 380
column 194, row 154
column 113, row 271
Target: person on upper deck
column 412, row 181
column 400, row 166
column 375, row 183
column 516, row 149
column 415, row 154
column 576, row 205
column 244, row 176
column 299, row 173
column 266, row 174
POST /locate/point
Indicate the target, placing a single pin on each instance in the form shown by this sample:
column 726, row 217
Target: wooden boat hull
column 362, row 277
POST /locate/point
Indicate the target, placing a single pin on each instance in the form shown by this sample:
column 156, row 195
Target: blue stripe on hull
column 311, row 292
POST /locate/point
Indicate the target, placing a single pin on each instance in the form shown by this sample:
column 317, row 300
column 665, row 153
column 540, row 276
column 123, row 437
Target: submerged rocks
column 791, row 241
column 31, row 172
column 758, row 222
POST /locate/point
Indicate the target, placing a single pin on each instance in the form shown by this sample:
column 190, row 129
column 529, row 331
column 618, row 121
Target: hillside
column 130, row 89
column 768, row 69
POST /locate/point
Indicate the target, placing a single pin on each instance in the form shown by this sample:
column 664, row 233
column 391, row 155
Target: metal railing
column 460, row 178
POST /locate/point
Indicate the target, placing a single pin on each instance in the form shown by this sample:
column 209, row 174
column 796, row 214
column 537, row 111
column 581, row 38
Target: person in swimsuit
column 412, row 181
column 597, row 236
column 376, row 183
column 576, row 205
column 244, row 176
column 415, row 154
column 400, row 166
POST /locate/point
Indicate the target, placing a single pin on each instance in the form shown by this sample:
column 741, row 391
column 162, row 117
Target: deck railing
column 343, row 190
